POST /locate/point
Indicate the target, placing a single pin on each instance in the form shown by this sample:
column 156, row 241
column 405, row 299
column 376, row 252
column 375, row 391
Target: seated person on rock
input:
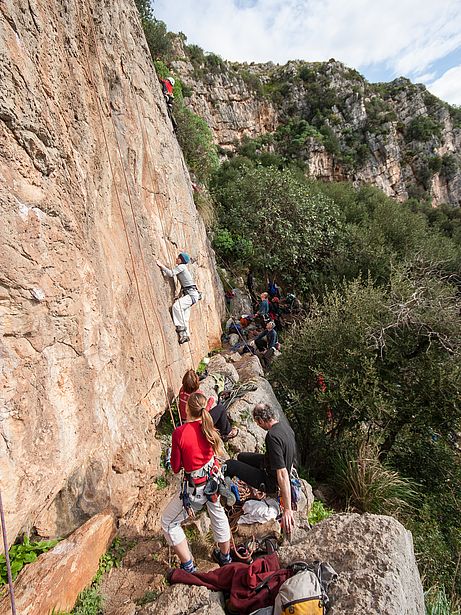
column 267, row 344
column 196, row 446
column 190, row 384
column 269, row 472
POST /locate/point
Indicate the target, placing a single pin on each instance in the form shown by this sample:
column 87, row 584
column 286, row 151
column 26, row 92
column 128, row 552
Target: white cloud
column 448, row 86
column 405, row 35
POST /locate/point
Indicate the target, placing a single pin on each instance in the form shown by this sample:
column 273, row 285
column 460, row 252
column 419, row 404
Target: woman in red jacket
column 195, row 447
column 190, row 384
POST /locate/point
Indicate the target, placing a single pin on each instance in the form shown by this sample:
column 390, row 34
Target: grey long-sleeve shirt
column 183, row 274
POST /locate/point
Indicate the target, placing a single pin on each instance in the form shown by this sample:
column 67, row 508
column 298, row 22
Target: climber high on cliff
column 189, row 295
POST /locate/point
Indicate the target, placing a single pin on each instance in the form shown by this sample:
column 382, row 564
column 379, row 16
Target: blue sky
column 419, row 39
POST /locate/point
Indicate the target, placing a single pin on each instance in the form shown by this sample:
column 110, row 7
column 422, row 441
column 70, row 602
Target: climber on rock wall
column 189, row 295
column 167, row 89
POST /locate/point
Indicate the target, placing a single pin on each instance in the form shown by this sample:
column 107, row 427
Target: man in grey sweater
column 189, row 296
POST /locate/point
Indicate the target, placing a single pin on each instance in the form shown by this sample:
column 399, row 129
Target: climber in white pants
column 190, row 295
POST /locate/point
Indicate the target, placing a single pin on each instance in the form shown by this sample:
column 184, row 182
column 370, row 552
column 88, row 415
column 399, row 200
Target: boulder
column 240, row 303
column 306, row 499
column 251, row 437
column 219, row 365
column 249, row 367
column 234, row 339
column 374, row 558
column 182, row 599
column 54, row 580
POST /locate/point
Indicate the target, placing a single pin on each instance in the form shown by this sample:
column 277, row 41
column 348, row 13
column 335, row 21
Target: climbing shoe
column 234, row 432
column 225, row 489
column 221, row 559
column 183, row 337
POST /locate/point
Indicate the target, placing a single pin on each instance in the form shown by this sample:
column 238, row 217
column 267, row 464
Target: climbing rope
column 100, row 113
column 155, row 191
column 7, row 558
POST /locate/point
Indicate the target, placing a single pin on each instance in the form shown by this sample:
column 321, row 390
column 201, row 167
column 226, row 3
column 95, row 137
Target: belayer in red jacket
column 195, row 448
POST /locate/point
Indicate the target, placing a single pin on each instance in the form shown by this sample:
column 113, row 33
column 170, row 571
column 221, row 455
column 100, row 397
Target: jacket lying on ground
column 243, row 582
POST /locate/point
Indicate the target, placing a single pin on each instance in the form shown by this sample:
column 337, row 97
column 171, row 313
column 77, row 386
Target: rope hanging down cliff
column 179, row 305
column 101, row 117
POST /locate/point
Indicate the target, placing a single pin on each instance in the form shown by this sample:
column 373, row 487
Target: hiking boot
column 221, row 559
column 225, row 489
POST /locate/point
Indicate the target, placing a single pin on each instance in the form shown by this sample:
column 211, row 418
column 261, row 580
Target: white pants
column 181, row 310
column 175, row 513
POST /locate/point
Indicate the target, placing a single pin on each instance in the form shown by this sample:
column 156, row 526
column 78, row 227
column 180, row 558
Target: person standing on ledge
column 189, row 295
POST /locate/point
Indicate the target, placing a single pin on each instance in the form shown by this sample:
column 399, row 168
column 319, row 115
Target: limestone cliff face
column 225, row 101
column 396, row 136
column 93, row 190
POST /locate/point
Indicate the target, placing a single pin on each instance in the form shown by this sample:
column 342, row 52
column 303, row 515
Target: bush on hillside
column 196, row 141
column 157, row 36
column 390, row 358
column 285, row 224
column 422, row 128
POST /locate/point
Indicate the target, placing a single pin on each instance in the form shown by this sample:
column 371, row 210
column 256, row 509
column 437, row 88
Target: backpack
column 305, row 593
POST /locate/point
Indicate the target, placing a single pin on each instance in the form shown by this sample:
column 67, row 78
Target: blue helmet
column 184, row 257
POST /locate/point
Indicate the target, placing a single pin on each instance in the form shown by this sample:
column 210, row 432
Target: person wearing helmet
column 189, row 295
column 167, row 89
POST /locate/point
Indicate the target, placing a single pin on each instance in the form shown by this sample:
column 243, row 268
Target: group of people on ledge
column 197, row 445
column 197, row 448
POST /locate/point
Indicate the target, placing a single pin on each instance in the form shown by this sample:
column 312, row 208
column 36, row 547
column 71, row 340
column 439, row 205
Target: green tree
column 284, row 223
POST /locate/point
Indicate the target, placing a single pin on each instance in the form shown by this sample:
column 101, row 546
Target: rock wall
column 93, row 190
column 226, row 102
column 359, row 131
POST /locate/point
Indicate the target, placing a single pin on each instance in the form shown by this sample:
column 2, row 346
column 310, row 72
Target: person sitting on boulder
column 271, row 471
column 189, row 295
column 218, row 412
column 268, row 338
column 195, row 447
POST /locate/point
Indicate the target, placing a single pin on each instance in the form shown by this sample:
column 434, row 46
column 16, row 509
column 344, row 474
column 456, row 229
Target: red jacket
column 167, row 86
column 183, row 397
column 189, row 448
column 242, row 582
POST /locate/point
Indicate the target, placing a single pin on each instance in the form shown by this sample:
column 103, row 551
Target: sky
column 418, row 39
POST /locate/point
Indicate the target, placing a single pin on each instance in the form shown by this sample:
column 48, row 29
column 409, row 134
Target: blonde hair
column 190, row 381
column 196, row 406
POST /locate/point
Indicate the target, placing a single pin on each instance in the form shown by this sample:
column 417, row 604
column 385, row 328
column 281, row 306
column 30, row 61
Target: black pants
column 220, row 420
column 261, row 344
column 249, row 467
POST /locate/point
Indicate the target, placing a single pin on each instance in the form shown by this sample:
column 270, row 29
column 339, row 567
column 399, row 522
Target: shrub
column 196, row 141
column 196, row 55
column 21, row 554
column 157, row 36
column 258, row 206
column 422, row 128
column 318, row 512
column 439, row 603
column 449, row 166
column 368, row 485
